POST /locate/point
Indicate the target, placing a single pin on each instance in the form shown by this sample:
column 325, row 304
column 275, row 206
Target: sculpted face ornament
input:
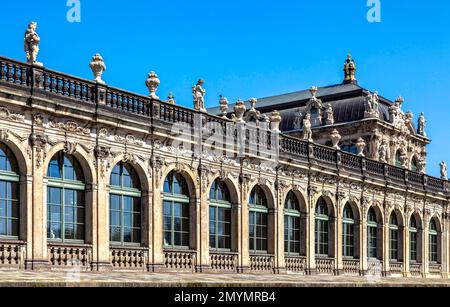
column 98, row 67
column 31, row 44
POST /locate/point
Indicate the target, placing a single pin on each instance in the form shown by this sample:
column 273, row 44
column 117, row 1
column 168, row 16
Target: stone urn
column 275, row 120
column 152, row 84
column 313, row 91
column 335, row 139
column 361, row 145
column 223, row 106
column 98, row 68
column 239, row 110
column 253, row 102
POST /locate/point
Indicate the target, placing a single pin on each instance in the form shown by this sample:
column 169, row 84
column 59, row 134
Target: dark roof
column 348, row 102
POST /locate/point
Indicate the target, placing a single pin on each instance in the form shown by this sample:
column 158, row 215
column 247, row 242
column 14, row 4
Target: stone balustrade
column 224, row 261
column 374, row 268
column 180, row 260
column 435, row 269
column 325, row 266
column 296, row 264
column 128, row 258
column 415, row 269
column 351, row 267
column 12, row 254
column 262, row 263
column 396, row 268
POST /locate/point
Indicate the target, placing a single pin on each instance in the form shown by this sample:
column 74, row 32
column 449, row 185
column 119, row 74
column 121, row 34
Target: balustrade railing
column 70, row 256
column 325, row 266
column 180, row 260
column 224, row 261
column 296, row 264
column 374, row 267
column 415, row 269
column 396, row 268
column 12, row 254
column 43, row 80
column 128, row 258
column 262, row 263
column 435, row 269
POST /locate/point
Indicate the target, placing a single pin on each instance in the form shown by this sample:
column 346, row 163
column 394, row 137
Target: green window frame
column 125, row 208
column 433, row 244
column 176, row 215
column 9, row 195
column 372, row 235
column 322, row 222
column 348, row 233
column 413, row 238
column 258, row 221
column 393, row 238
column 66, row 200
column 292, row 225
column 219, row 217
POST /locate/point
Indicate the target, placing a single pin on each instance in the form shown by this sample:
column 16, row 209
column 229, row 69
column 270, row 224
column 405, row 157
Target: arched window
column 348, row 232
column 321, row 229
column 219, row 216
column 414, row 165
column 9, row 194
column 372, row 234
column 393, row 237
column 176, row 212
column 125, row 205
column 258, row 220
column 292, row 224
column 413, row 239
column 398, row 159
column 434, row 241
column 65, row 199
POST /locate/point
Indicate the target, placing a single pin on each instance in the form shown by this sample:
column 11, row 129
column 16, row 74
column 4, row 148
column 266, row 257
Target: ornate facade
column 97, row 178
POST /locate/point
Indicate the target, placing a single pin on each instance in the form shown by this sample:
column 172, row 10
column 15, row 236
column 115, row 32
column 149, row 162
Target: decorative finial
column 400, row 100
column 98, row 67
column 253, row 102
column 350, row 71
column 335, row 139
column 31, row 44
column 313, row 91
column 239, row 110
column 275, row 120
column 171, row 98
column 361, row 145
column 152, row 84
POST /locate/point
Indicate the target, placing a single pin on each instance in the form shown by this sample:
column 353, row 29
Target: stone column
column 445, row 246
column 244, row 255
column 38, row 230
column 363, row 256
column 425, row 247
column 406, row 251
column 147, row 226
column 156, row 230
column 386, row 256
column 204, row 262
column 26, row 230
column 310, row 241
column 280, row 263
column 338, row 248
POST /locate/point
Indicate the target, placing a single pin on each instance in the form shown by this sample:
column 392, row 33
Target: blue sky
column 251, row 48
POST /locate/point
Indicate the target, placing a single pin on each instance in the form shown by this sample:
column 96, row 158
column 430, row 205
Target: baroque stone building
column 93, row 177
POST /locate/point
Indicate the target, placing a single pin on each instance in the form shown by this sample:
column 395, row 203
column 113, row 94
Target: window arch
column 176, row 212
column 258, row 220
column 9, row 194
column 372, row 234
column 66, row 199
column 434, row 241
column 292, row 224
column 322, row 228
column 348, row 232
column 219, row 216
column 125, row 205
column 394, row 237
column 413, row 239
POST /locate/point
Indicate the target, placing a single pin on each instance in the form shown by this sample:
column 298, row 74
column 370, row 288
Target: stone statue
column 382, row 152
column 171, row 99
column 397, row 117
column 444, row 171
column 199, row 96
column 31, row 44
column 422, row 125
column 329, row 115
column 98, row 67
column 350, row 71
column 372, row 110
column 307, row 131
column 298, row 120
